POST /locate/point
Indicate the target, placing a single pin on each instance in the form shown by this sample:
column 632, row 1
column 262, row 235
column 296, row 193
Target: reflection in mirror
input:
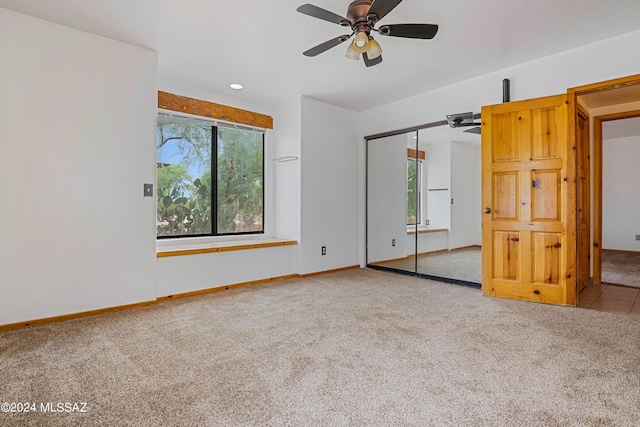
column 391, row 202
column 449, row 242
column 425, row 186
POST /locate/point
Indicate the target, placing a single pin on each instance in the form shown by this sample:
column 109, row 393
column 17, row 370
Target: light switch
column 148, row 190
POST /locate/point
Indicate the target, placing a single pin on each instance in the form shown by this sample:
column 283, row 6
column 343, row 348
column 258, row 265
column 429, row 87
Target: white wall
column 182, row 274
column 329, row 187
column 431, row 242
column 78, row 127
column 387, row 199
column 456, row 167
column 466, row 191
column 437, row 166
column 621, row 193
column 604, row 60
column 286, row 177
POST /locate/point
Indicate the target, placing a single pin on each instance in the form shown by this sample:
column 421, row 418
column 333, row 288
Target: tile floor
column 611, row 298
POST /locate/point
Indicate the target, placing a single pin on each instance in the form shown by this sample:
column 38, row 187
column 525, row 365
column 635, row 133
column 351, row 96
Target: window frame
column 214, row 188
column 419, row 189
column 214, row 125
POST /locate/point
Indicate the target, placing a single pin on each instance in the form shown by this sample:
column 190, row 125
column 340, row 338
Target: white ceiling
column 212, row 43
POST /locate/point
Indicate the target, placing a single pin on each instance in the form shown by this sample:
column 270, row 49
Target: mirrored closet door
column 390, row 206
column 424, row 203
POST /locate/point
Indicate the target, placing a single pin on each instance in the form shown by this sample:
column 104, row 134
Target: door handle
column 487, row 210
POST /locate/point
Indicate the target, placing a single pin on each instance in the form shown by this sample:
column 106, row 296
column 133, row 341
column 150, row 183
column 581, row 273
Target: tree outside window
column 189, row 203
column 414, row 172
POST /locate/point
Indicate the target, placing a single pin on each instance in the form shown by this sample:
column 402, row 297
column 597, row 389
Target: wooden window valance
column 183, row 104
column 411, row 153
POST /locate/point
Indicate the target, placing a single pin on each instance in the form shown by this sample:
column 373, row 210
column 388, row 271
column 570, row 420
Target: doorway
column 614, row 107
column 614, row 202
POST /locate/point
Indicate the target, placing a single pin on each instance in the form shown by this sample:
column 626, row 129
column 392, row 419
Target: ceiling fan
column 362, row 17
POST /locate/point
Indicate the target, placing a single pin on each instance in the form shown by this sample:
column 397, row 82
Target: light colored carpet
column 461, row 264
column 355, row 348
column 621, row 267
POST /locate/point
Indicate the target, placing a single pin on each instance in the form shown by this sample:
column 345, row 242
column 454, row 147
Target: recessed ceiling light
column 236, row 86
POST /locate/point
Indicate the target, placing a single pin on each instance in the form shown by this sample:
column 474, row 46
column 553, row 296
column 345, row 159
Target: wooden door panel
column 525, row 183
column 506, row 259
column 545, row 195
column 545, row 142
column 547, row 258
column 505, row 138
column 506, row 190
column 548, row 294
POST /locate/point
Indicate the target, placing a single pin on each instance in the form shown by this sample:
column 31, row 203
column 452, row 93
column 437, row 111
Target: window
column 414, row 191
column 189, row 202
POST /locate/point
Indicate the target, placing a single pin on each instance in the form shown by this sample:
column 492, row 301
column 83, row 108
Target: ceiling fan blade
column 410, row 31
column 316, row 50
column 318, row 12
column 477, row 130
column 380, row 8
column 371, row 62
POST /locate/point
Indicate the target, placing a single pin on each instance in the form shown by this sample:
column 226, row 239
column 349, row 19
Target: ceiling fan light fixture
column 374, row 50
column 361, row 42
column 362, row 17
column 352, row 52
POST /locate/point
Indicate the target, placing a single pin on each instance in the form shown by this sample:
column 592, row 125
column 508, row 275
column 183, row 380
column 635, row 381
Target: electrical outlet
column 324, row 250
column 427, row 222
column 637, row 236
column 393, row 242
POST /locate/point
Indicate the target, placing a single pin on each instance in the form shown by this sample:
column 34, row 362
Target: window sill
column 195, row 248
column 422, row 230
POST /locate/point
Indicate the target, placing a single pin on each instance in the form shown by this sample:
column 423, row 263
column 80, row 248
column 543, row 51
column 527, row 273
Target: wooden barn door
column 528, row 181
